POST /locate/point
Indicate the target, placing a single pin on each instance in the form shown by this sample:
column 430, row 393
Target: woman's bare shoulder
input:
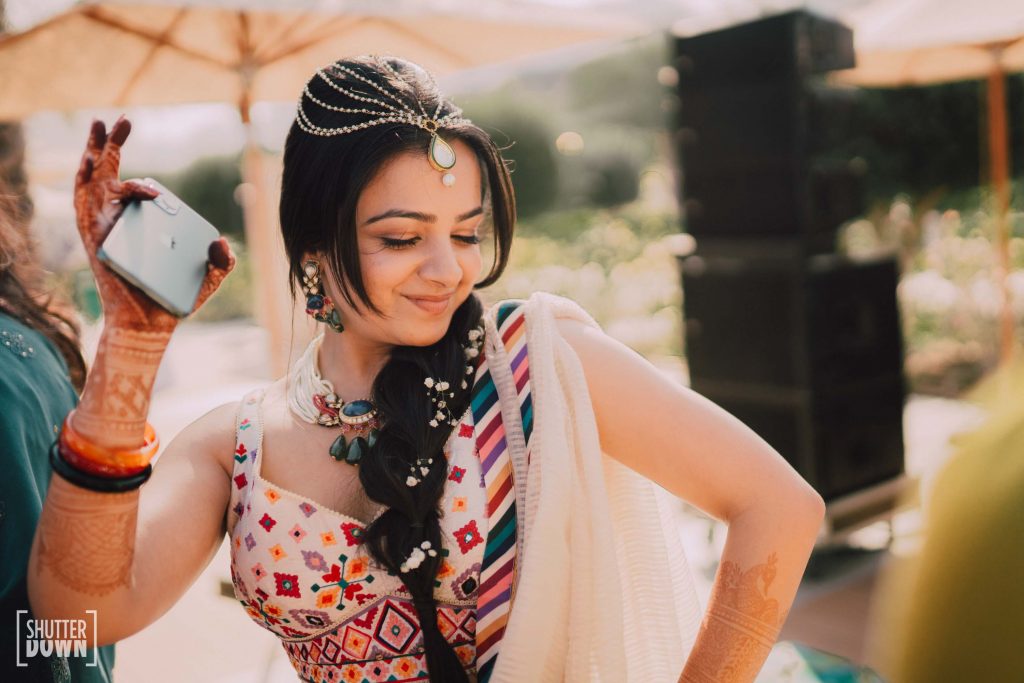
column 214, row 433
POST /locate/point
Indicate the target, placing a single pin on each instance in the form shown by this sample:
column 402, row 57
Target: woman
column 424, row 495
column 41, row 371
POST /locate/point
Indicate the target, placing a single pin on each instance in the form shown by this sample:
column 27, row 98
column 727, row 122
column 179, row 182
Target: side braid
column 406, row 440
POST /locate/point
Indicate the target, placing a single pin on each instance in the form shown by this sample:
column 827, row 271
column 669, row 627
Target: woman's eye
column 392, row 243
column 468, row 239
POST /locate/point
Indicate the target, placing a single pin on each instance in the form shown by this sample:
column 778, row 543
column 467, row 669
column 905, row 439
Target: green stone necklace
column 312, row 399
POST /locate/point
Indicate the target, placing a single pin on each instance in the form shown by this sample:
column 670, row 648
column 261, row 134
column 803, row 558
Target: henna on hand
column 740, row 627
column 100, row 198
column 87, row 539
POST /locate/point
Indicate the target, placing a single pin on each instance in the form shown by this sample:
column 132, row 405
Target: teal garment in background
column 35, row 396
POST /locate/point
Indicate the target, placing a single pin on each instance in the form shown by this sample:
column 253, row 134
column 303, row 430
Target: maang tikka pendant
column 441, row 156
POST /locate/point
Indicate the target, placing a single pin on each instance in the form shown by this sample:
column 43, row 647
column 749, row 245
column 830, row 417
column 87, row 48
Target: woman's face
column 418, row 248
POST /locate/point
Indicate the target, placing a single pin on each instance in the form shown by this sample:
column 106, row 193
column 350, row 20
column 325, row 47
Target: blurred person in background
column 41, row 373
column 953, row 612
column 425, row 495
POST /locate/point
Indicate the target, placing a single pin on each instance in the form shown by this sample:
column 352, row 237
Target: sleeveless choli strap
column 248, row 437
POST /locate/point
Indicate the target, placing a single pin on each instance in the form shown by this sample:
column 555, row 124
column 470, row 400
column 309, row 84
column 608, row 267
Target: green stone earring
column 318, row 304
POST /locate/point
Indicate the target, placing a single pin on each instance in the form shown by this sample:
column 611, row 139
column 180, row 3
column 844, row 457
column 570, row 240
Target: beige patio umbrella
column 918, row 42
column 118, row 54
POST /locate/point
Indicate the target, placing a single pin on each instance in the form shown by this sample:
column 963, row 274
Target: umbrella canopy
column 930, row 41
column 117, row 54
column 919, row 42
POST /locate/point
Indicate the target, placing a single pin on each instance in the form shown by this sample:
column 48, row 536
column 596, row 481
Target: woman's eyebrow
column 420, row 216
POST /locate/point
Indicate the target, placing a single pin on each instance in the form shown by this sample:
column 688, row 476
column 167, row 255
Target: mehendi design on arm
column 87, row 539
column 740, row 627
column 118, row 393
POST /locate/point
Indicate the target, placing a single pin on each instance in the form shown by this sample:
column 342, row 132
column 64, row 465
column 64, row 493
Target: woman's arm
column 696, row 450
column 130, row 556
column 106, row 551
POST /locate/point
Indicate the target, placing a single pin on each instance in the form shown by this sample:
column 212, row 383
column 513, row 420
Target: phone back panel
column 161, row 246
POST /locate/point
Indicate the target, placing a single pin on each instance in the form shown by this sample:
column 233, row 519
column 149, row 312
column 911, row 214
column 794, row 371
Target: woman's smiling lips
column 431, row 304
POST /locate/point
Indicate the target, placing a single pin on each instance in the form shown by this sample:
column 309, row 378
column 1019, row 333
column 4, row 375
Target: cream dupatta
column 602, row 591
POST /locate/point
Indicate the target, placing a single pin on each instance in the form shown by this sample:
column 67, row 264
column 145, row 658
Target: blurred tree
column 614, row 179
column 930, row 141
column 527, row 143
column 621, row 88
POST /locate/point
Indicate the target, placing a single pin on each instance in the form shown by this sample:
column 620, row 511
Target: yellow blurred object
column 953, row 613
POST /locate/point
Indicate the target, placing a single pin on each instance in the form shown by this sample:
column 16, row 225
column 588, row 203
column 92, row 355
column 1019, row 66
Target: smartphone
column 161, row 246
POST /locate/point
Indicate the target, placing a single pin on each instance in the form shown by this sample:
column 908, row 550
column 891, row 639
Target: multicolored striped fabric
column 498, row 569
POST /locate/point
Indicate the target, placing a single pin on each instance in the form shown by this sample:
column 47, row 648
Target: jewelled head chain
column 390, row 110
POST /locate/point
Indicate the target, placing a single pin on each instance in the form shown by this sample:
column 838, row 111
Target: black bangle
column 87, row 480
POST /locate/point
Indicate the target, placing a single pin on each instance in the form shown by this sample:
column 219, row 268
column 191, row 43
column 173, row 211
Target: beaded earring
column 318, row 304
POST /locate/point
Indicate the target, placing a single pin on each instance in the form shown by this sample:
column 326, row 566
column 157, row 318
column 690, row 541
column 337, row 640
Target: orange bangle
column 132, row 460
column 83, row 464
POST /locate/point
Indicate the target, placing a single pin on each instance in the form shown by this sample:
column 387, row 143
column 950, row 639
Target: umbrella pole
column 999, row 168
column 269, row 266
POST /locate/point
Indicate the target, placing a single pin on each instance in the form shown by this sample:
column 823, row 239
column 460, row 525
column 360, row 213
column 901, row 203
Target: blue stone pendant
column 356, row 412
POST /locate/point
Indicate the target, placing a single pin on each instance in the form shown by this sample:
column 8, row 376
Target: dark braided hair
column 322, row 180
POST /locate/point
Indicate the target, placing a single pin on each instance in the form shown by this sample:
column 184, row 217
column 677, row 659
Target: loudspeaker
column 806, row 350
column 840, row 440
column 786, row 320
column 789, row 46
column 756, row 132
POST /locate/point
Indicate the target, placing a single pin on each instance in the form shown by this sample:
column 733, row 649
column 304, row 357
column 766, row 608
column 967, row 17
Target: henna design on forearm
column 117, row 394
column 740, row 627
column 87, row 539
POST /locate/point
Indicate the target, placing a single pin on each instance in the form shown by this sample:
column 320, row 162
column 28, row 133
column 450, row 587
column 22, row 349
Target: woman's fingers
column 97, row 137
column 110, row 154
column 220, row 255
column 119, row 133
column 84, row 170
column 222, row 262
column 133, row 189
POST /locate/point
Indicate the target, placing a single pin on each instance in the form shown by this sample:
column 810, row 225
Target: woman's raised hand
column 100, row 198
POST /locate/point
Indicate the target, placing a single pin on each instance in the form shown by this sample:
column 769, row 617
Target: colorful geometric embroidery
column 468, row 537
column 318, row 600
column 382, row 643
column 353, row 533
column 465, row 584
column 287, row 585
column 267, row 522
column 355, row 576
column 314, row 561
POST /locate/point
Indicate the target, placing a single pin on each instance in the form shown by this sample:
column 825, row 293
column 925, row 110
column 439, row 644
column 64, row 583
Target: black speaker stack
column 797, row 341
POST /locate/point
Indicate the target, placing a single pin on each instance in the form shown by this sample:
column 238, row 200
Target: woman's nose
column 441, row 265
